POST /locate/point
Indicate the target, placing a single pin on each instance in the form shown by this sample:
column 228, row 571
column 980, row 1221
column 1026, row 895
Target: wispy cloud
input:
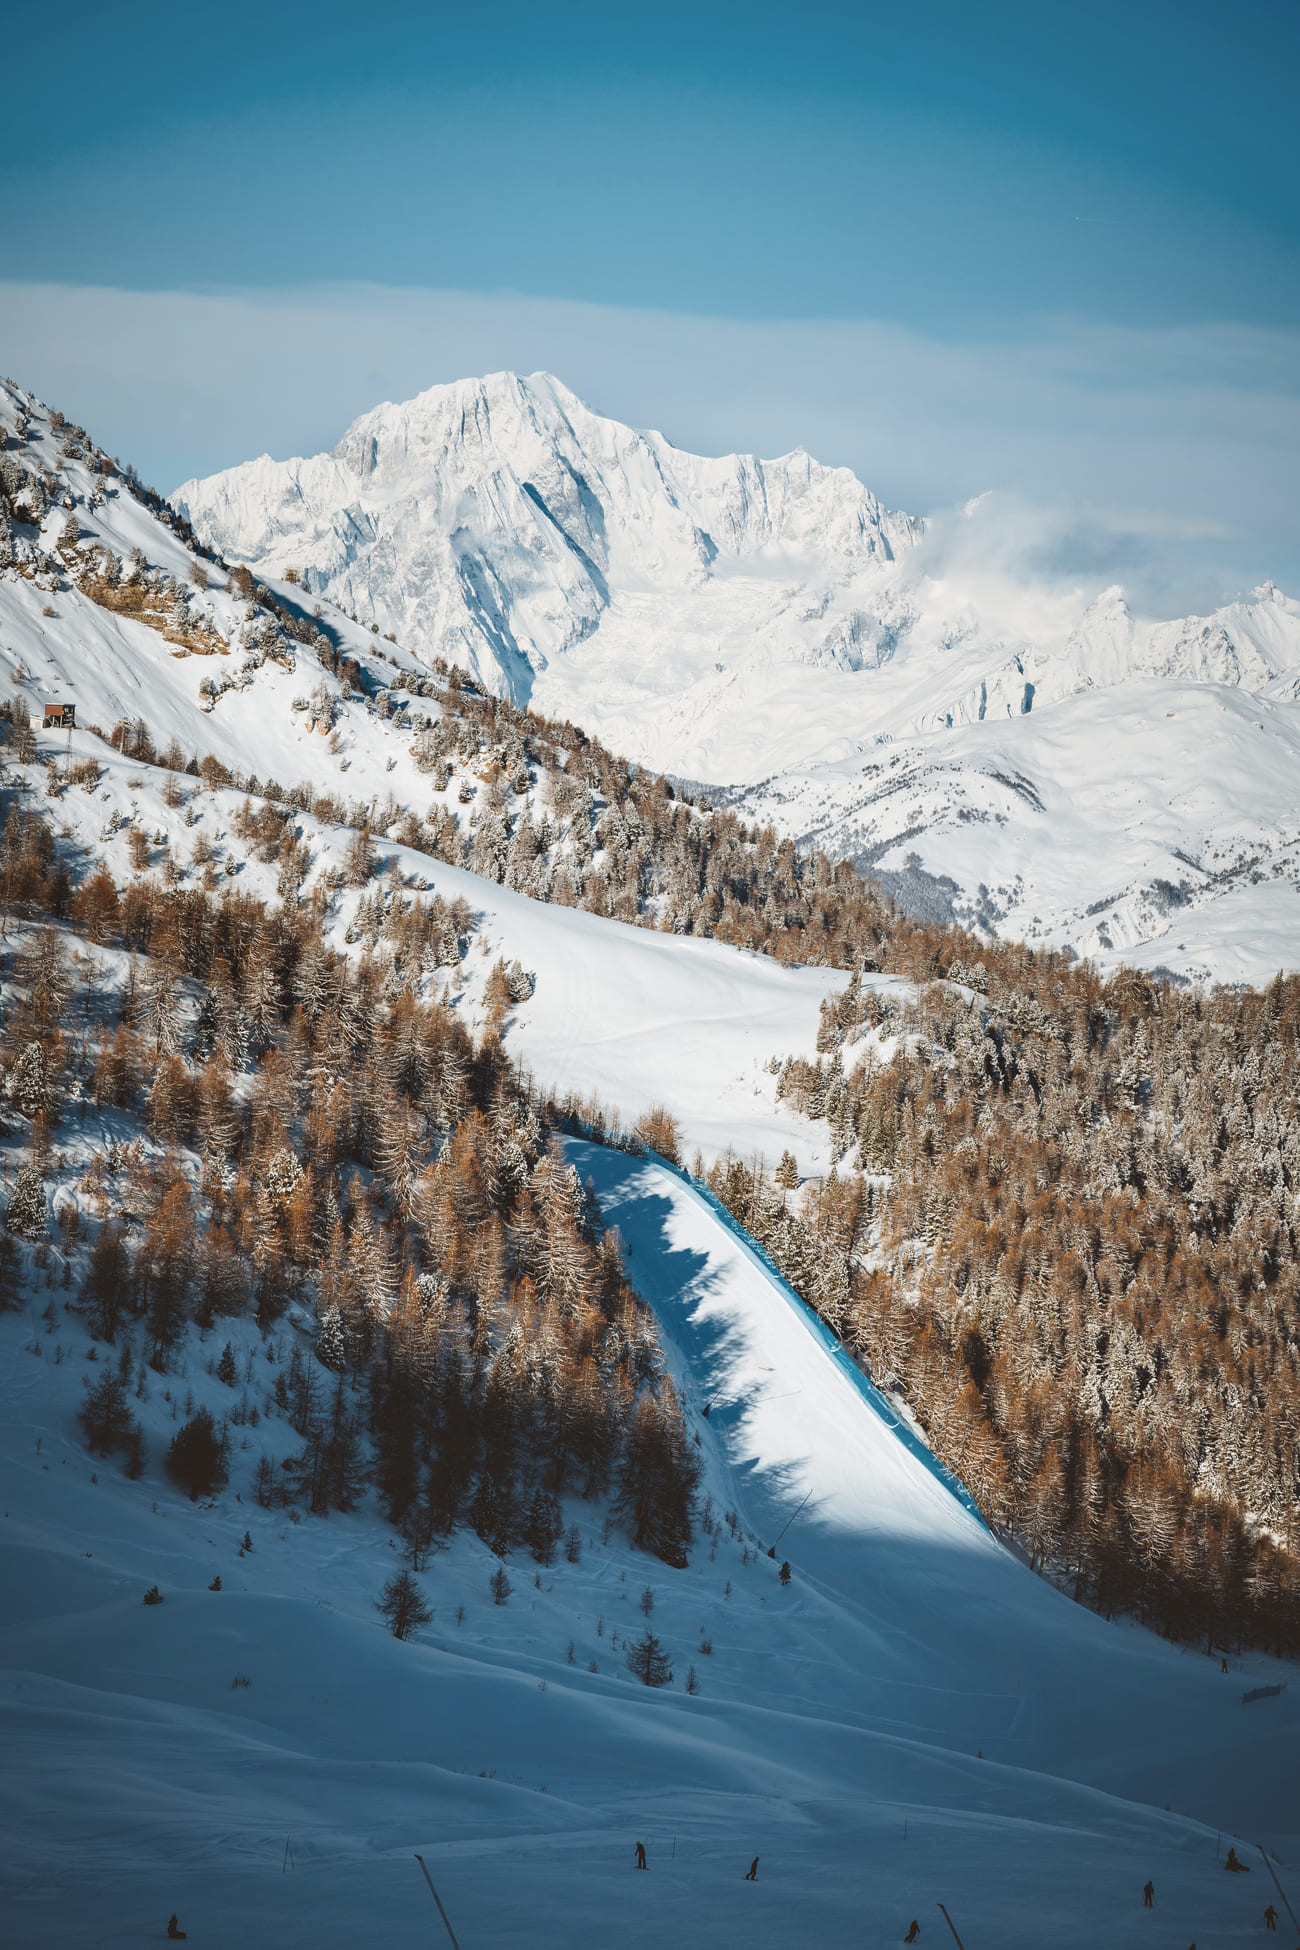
column 1176, row 447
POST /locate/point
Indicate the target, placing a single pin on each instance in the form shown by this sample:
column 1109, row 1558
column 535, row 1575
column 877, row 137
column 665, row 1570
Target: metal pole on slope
column 785, row 1527
column 953, row 1927
column 438, row 1899
column 1277, row 1885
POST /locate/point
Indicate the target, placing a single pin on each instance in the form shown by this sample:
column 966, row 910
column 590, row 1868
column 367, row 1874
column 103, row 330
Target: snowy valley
column 404, row 1083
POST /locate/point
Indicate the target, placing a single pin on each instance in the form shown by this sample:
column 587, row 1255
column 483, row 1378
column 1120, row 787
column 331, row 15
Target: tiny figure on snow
column 1148, row 1895
column 913, row 1931
column 1235, row 1867
column 753, row 1871
column 1223, row 1664
column 640, row 1856
column 174, row 1929
column 1270, row 1918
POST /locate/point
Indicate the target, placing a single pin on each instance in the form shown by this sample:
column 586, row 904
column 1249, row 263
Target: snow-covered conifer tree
column 27, row 1215
column 331, row 1350
column 403, row 1605
column 28, row 1085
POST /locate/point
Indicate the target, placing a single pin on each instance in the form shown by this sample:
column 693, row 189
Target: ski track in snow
column 135, row 1781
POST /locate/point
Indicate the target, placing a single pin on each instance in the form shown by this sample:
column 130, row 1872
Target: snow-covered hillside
column 915, row 1720
column 766, row 626
column 1155, row 824
column 625, row 1015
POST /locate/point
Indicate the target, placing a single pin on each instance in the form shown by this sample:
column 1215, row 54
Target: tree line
column 1064, row 1221
column 325, row 1140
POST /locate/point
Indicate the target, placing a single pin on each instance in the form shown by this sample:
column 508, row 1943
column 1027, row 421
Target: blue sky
column 972, row 181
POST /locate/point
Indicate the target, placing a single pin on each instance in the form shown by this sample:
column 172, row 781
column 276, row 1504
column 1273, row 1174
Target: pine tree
column 331, row 1350
column 359, row 858
column 330, row 1471
column 159, row 1009
column 28, row 1084
column 658, row 1478
column 107, row 1286
column 543, row 1525
column 106, row 1421
column 10, row 1272
column 492, row 1512
column 27, row 1216
column 659, row 1129
column 165, row 1263
column 648, row 1660
column 196, row 1456
column 500, row 1586
column 403, row 1605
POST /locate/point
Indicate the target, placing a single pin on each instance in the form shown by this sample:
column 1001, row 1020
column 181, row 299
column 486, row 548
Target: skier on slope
column 1148, row 1895
column 174, row 1930
column 753, row 1871
column 1233, row 1866
column 913, row 1932
column 1270, row 1918
column 640, row 1856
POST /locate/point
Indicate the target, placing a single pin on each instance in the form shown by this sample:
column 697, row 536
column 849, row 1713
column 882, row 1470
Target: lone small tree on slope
column 648, row 1660
column 402, row 1604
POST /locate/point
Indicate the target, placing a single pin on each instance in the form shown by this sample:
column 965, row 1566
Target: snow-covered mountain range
column 767, row 626
column 500, row 523
column 910, row 1718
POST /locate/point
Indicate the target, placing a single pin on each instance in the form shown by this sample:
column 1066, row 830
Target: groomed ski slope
column 832, row 1716
column 637, row 1017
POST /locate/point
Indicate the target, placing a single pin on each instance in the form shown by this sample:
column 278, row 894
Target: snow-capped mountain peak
column 500, row 522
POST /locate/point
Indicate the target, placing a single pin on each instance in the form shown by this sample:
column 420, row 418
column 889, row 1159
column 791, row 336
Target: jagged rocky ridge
column 1036, row 762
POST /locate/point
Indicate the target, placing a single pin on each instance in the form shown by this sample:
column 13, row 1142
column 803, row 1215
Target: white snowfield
column 629, row 1015
column 766, row 625
column 639, row 1018
column 1156, row 825
column 915, row 1720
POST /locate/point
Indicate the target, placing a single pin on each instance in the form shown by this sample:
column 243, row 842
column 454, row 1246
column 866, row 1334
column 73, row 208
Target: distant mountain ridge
column 496, row 521
column 1032, row 757
column 721, row 618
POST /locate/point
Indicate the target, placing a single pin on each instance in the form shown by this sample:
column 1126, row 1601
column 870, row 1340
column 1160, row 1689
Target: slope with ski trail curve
column 914, row 1720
